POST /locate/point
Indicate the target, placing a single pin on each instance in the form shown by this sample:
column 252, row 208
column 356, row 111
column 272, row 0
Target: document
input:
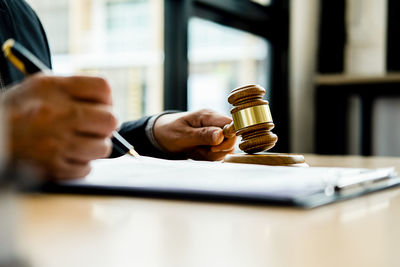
column 247, row 182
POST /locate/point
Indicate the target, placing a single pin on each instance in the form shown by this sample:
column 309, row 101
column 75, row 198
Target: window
column 121, row 40
column 222, row 58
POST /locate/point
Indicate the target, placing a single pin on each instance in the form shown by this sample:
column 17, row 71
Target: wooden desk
column 72, row 230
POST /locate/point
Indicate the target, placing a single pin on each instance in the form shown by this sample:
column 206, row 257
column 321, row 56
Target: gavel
column 252, row 120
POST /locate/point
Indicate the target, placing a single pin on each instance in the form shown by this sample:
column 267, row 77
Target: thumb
column 209, row 136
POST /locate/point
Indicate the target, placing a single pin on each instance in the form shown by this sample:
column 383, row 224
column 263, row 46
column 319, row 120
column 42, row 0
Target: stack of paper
column 246, row 182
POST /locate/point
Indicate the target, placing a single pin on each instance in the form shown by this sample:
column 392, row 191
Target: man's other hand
column 60, row 124
column 198, row 134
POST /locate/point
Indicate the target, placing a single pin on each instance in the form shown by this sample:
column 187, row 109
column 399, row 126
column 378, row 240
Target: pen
column 28, row 64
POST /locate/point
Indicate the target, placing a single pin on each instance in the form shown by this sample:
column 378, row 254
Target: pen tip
column 134, row 153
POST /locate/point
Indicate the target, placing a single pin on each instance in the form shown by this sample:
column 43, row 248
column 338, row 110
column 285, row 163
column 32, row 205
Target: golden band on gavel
column 251, row 116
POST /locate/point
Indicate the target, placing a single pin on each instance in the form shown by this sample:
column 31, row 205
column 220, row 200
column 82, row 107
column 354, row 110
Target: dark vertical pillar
column 393, row 36
column 331, row 120
column 331, row 101
column 332, row 36
column 176, row 16
column 366, row 136
column 279, row 76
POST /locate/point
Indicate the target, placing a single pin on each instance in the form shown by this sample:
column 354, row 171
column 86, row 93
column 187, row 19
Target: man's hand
column 198, row 134
column 60, row 124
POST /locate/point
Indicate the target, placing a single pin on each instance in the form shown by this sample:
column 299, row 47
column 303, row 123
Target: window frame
column 270, row 22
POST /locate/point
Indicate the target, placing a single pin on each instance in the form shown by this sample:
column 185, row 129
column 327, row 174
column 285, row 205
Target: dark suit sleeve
column 135, row 133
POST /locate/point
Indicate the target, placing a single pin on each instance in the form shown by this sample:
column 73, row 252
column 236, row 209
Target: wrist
column 149, row 129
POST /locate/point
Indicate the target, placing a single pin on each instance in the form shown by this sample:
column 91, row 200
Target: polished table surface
column 77, row 230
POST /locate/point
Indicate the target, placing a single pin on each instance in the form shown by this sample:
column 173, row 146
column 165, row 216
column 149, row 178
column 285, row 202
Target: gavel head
column 252, row 119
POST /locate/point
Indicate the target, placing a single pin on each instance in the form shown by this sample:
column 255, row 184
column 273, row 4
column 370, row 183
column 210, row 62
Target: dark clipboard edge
column 305, row 202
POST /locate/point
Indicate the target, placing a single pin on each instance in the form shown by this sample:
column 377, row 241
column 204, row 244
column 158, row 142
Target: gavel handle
column 229, row 130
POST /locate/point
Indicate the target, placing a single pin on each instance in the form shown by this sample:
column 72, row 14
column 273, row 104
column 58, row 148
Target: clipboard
column 227, row 182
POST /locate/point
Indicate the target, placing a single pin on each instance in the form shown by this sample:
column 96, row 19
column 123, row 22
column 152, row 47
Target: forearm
column 140, row 134
column 196, row 135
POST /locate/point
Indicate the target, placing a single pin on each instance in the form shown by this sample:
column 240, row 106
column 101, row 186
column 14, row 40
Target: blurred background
column 123, row 41
column 329, row 68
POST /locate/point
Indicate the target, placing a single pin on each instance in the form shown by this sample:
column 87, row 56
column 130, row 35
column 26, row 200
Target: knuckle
column 74, row 146
column 43, row 109
column 83, row 171
column 205, row 111
column 107, row 147
column 37, row 80
column 53, row 148
column 108, row 123
column 41, row 82
column 76, row 113
column 57, row 169
column 206, row 135
column 111, row 120
column 205, row 116
column 103, row 86
column 73, row 171
column 218, row 158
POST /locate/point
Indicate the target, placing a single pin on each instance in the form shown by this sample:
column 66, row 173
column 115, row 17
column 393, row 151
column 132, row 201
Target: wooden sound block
column 272, row 159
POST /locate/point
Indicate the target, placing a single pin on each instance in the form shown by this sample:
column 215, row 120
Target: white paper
column 202, row 176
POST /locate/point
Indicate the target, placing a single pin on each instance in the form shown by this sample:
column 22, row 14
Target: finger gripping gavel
column 252, row 119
